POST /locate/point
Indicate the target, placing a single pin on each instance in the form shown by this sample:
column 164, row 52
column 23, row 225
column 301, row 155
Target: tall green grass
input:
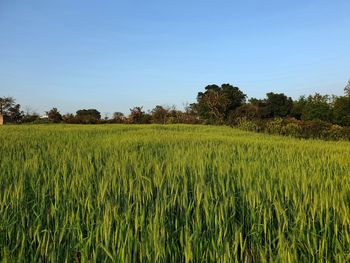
column 174, row 193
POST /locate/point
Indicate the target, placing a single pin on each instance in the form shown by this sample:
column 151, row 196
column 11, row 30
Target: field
column 176, row 193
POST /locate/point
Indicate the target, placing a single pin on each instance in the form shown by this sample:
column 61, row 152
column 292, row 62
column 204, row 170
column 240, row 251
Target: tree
column 190, row 114
column 159, row 114
column 69, row 118
column 277, row 105
column 54, row 115
column 10, row 109
column 174, row 115
column 341, row 110
column 216, row 103
column 89, row 116
column 118, row 117
column 298, row 108
column 5, row 104
column 317, row 107
column 235, row 96
column 30, row 117
column 347, row 89
column 249, row 111
column 15, row 113
column 136, row 115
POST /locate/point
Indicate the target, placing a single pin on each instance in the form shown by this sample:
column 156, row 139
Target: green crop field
column 173, row 193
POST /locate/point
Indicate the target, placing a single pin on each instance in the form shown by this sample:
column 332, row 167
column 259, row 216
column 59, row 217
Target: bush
column 274, row 126
column 247, row 125
column 292, row 129
column 295, row 128
column 346, row 133
column 335, row 132
column 315, row 129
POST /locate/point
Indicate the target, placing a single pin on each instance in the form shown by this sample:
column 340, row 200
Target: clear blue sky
column 113, row 55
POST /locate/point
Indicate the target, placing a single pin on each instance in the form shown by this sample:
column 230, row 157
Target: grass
column 176, row 193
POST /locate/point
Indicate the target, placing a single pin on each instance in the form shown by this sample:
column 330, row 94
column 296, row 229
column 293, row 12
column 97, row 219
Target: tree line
column 317, row 115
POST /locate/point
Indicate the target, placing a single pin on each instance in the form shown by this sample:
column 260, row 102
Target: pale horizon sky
column 114, row 55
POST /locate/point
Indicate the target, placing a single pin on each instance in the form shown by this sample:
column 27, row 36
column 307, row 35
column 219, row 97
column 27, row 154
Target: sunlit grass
column 176, row 193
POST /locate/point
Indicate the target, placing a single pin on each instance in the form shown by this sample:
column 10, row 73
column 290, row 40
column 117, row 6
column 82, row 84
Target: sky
column 114, row 55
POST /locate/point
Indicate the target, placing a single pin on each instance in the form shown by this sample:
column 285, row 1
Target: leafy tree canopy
column 216, row 103
column 277, row 105
column 9, row 108
column 54, row 115
column 88, row 116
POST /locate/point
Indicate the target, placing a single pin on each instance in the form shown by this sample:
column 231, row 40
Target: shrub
column 247, row 125
column 335, row 132
column 274, row 126
column 295, row 128
column 315, row 129
column 292, row 129
column 346, row 133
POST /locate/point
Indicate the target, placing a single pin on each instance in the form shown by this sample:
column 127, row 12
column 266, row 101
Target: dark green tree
column 5, row 104
column 137, row 115
column 15, row 113
column 159, row 114
column 347, row 89
column 69, row 118
column 249, row 111
column 298, row 108
column 276, row 105
column 216, row 103
column 54, row 115
column 10, row 109
column 318, row 107
column 89, row 116
column 118, row 117
column 341, row 110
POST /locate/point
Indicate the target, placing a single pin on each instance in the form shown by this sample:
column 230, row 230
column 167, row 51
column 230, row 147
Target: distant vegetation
column 170, row 193
column 313, row 116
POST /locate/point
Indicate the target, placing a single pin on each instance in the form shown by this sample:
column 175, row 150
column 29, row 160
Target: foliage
column 138, row 116
column 159, row 114
column 276, row 105
column 190, row 115
column 317, row 107
column 249, row 111
column 30, row 117
column 54, row 115
column 118, row 117
column 291, row 127
column 347, row 89
column 315, row 129
column 68, row 118
column 247, row 125
column 10, row 109
column 341, row 110
column 275, row 126
column 298, row 108
column 216, row 103
column 307, row 117
column 5, row 104
column 89, row 116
